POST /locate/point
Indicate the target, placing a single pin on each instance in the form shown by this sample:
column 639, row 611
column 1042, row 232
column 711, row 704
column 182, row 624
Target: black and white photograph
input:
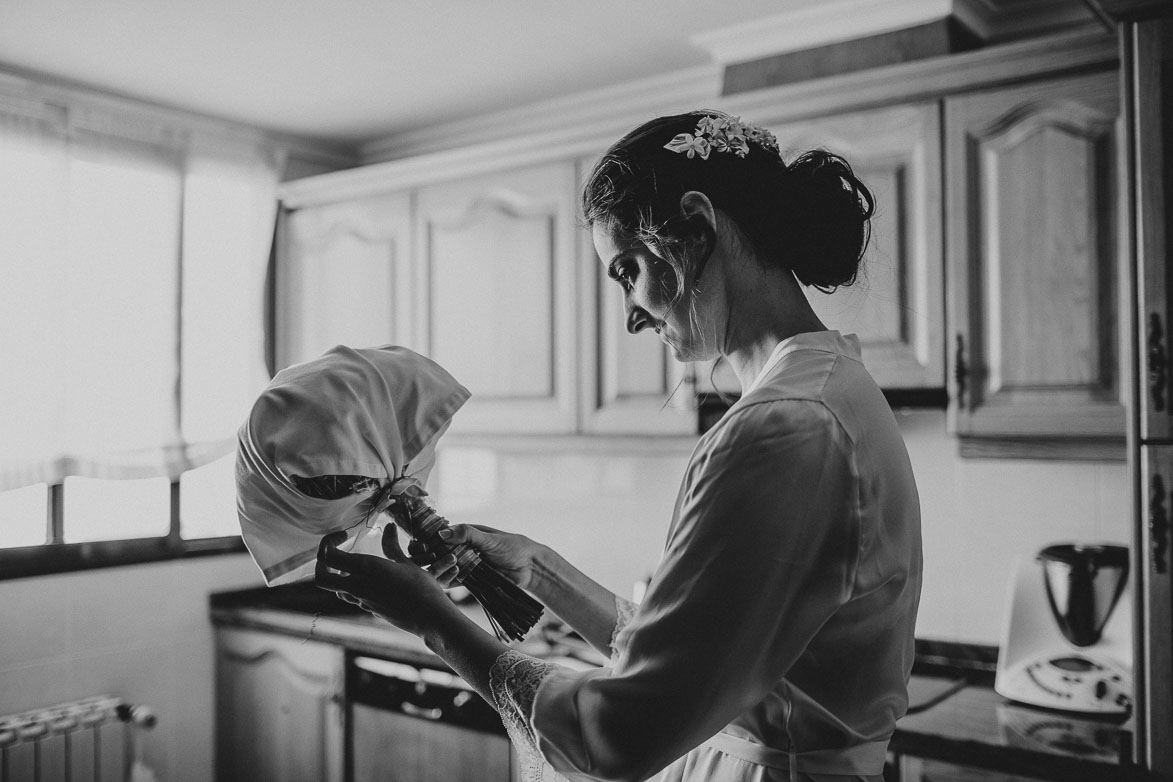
column 755, row 391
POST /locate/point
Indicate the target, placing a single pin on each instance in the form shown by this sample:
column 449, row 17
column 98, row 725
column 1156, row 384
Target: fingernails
column 445, row 534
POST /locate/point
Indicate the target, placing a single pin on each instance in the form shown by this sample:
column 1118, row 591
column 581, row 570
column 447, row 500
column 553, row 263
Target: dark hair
column 813, row 214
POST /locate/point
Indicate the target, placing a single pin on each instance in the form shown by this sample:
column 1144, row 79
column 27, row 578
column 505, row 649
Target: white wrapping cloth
column 376, row 412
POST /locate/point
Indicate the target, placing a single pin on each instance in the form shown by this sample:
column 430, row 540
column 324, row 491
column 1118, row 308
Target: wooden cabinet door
column 495, row 267
column 1033, row 202
column 631, row 383
column 1150, row 80
column 1151, row 129
column 414, row 749
column 279, row 714
column 343, row 277
column 896, row 306
column 1155, row 562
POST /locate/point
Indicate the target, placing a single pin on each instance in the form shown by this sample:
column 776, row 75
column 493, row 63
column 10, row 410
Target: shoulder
column 764, row 435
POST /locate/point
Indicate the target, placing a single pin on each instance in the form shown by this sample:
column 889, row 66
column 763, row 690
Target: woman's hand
column 510, row 554
column 394, row 588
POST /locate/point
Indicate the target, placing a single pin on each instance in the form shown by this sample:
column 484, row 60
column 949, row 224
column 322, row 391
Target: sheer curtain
column 131, row 322
column 229, row 210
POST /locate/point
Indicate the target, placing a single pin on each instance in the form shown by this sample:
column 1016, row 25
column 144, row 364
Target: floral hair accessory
column 722, row 134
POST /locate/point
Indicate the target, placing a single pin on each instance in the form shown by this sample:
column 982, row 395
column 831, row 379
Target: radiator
column 88, row 740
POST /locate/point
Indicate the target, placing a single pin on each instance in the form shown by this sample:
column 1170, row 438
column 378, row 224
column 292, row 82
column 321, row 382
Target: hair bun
column 830, row 219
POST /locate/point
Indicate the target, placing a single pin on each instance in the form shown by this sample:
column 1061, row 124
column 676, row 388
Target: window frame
column 124, row 121
column 54, row 558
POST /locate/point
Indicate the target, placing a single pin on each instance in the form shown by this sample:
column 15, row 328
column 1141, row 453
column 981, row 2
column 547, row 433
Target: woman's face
column 649, row 286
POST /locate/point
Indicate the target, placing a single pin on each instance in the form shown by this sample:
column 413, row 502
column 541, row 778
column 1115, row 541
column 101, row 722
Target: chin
column 685, row 353
column 687, row 350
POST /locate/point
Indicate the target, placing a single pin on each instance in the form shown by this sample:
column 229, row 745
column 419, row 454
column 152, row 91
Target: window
column 132, row 338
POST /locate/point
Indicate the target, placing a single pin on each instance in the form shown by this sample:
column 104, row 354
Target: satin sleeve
column 762, row 551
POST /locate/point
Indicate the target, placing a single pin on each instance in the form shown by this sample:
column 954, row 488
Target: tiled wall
column 142, row 632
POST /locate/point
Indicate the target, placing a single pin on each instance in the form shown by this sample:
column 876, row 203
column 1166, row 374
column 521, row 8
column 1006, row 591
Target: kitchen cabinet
column 1033, row 203
column 1149, row 77
column 896, row 306
column 1154, row 203
column 994, row 269
column 279, row 712
column 344, row 277
column 493, row 278
column 920, row 770
column 495, row 270
column 631, row 384
column 1155, row 563
column 430, row 752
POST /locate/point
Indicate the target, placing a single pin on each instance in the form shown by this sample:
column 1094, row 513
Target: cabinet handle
column 1158, row 524
column 1158, row 363
column 960, row 370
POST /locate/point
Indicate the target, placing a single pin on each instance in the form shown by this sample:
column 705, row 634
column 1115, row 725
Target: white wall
column 980, row 515
column 138, row 632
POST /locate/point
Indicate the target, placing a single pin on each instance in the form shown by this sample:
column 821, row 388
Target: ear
column 698, row 211
column 696, row 204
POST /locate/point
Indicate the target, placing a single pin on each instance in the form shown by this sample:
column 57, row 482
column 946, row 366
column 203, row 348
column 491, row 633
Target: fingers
column 420, row 554
column 465, row 533
column 333, row 540
column 333, row 582
column 333, row 557
column 444, row 570
column 335, row 567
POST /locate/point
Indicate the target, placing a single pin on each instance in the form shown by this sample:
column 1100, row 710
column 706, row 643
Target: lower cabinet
column 282, row 716
column 423, row 751
column 279, row 708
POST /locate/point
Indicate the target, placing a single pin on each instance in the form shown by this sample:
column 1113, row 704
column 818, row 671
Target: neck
column 764, row 312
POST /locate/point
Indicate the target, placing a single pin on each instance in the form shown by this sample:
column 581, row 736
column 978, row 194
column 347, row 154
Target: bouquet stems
column 510, row 610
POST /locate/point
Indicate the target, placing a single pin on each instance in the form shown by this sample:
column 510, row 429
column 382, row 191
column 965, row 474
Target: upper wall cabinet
column 343, row 277
column 631, row 384
column 496, row 295
column 1034, row 199
column 896, row 305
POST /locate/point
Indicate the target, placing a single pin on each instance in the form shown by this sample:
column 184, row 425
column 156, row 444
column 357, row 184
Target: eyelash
column 622, row 275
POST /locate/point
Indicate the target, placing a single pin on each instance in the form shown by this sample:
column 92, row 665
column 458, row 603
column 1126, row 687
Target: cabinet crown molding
column 811, row 26
column 814, row 25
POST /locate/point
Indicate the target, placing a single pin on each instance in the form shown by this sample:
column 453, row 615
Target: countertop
column 954, row 713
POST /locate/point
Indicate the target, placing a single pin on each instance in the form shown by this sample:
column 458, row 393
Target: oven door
column 408, row 723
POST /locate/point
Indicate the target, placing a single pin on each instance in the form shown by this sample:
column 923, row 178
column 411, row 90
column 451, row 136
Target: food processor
column 1067, row 640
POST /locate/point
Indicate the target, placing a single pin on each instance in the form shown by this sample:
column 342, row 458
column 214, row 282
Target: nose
column 637, row 319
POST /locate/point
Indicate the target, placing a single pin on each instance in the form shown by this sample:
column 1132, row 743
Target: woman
column 775, row 638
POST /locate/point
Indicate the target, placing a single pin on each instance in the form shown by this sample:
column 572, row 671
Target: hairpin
column 723, row 134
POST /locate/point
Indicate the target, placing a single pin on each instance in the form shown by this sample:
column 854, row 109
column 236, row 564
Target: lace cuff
column 514, row 680
column 624, row 612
